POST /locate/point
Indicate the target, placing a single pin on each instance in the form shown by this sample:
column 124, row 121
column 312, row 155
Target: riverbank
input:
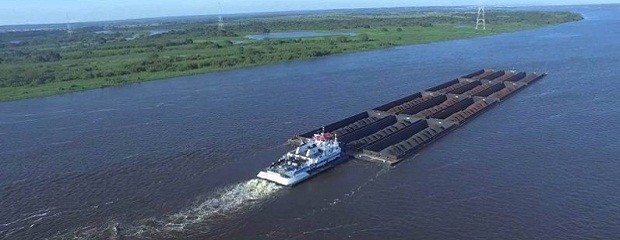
column 44, row 63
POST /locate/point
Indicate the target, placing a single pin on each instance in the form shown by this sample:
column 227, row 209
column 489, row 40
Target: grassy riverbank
column 43, row 63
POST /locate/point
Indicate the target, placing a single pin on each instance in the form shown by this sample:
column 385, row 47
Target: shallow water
column 297, row 35
column 176, row 158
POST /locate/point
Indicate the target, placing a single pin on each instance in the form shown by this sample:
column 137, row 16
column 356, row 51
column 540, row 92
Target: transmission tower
column 69, row 30
column 480, row 19
column 220, row 21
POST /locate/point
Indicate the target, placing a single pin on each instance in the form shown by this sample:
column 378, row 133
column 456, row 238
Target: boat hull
column 300, row 177
column 279, row 179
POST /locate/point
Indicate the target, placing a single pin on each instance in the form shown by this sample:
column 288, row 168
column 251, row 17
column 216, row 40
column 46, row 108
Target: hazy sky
column 54, row 11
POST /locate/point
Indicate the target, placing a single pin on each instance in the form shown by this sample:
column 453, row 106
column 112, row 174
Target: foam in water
column 228, row 200
column 109, row 231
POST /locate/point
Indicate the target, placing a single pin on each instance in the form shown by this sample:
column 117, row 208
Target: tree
column 427, row 24
column 399, row 29
column 152, row 57
column 342, row 39
column 364, row 37
column 48, row 56
column 212, row 44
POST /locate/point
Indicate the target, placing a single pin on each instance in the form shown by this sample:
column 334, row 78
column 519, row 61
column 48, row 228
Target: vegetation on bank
column 42, row 63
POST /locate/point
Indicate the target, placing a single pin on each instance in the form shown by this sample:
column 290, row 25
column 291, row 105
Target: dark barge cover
column 398, row 129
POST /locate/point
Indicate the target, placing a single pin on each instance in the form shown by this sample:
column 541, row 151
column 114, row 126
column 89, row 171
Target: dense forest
column 45, row 62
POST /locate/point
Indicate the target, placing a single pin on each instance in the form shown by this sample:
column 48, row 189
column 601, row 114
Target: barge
column 396, row 130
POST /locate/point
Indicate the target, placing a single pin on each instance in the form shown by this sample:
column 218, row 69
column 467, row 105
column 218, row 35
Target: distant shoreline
column 38, row 64
column 213, row 17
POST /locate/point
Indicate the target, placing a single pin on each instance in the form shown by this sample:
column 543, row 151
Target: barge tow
column 399, row 129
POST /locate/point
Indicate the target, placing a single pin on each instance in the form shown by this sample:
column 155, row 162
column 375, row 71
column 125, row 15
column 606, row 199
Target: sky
column 14, row 12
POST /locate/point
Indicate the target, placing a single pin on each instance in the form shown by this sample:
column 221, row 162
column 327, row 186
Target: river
column 176, row 158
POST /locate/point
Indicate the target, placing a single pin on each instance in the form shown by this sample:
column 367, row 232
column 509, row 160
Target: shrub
column 426, row 24
column 364, row 37
column 48, row 56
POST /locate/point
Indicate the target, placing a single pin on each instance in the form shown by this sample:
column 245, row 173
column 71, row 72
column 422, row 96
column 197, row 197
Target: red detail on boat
column 323, row 136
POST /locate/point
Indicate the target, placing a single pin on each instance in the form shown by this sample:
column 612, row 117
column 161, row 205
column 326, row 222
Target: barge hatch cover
column 399, row 129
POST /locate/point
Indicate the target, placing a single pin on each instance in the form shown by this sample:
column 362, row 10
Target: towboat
column 313, row 156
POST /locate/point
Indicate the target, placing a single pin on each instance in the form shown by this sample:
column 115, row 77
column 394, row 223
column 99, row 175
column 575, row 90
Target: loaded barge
column 399, row 129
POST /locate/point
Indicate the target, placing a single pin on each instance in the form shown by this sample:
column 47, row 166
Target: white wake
column 226, row 201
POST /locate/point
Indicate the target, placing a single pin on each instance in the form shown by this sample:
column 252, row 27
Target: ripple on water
column 228, row 200
column 223, row 202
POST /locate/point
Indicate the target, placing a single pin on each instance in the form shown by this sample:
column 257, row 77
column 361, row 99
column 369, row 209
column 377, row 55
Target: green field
column 43, row 63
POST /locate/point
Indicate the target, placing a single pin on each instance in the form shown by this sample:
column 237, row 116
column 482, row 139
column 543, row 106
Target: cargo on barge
column 398, row 129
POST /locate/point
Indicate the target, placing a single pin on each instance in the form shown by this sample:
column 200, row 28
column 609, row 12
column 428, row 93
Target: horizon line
column 314, row 10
